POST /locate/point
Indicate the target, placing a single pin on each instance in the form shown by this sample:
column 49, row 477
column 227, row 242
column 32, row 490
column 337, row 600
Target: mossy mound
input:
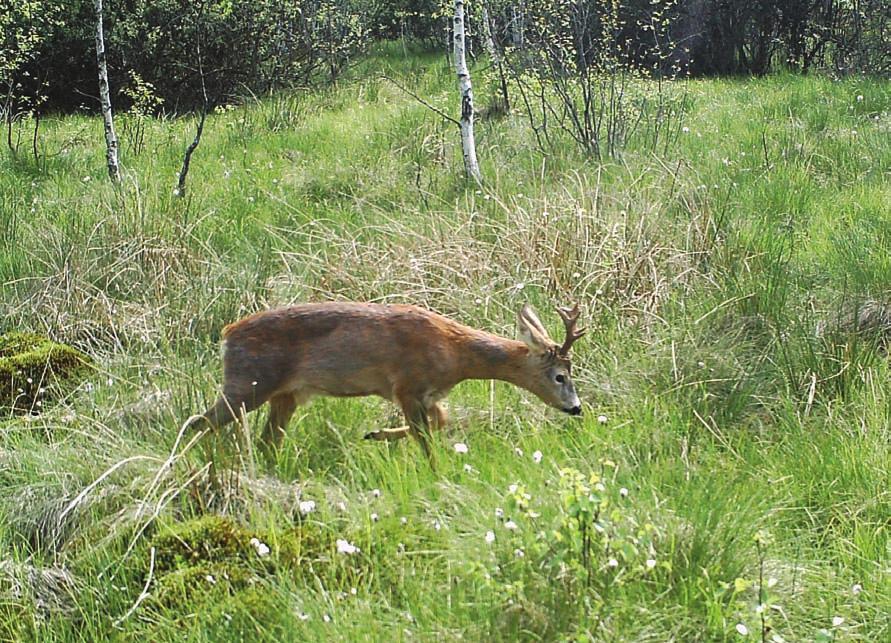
column 35, row 370
column 212, row 559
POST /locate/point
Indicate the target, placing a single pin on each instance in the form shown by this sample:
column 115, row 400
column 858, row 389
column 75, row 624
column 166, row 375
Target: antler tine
column 570, row 317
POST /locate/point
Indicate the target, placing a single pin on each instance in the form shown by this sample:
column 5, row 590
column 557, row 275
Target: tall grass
column 752, row 450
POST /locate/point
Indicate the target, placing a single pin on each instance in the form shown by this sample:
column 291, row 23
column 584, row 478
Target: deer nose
column 575, row 410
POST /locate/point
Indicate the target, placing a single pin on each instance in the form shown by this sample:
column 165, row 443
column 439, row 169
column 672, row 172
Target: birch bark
column 468, row 144
column 111, row 139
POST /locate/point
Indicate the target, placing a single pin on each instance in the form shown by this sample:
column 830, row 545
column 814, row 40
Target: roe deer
column 405, row 354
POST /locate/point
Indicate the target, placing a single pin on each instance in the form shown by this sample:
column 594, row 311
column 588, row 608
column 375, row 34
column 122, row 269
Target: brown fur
column 402, row 353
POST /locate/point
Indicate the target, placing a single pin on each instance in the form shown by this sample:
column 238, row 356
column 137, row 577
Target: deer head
column 550, row 377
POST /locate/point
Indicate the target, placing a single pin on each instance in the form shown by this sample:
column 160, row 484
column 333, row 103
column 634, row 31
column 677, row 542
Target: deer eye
column 560, row 379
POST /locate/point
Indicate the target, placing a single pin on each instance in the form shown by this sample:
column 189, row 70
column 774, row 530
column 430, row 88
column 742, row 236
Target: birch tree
column 471, row 165
column 111, row 139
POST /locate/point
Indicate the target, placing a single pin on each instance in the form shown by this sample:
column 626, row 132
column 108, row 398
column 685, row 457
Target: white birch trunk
column 111, row 139
column 471, row 165
column 516, row 28
column 487, row 34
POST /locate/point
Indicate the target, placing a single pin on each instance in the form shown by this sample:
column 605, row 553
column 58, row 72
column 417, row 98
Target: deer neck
column 490, row 357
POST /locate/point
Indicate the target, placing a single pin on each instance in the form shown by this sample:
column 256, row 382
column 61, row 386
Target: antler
column 570, row 318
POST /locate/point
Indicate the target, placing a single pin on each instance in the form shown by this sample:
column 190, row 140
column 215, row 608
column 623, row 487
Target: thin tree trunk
column 471, row 165
column 516, row 28
column 495, row 55
column 111, row 139
column 187, row 159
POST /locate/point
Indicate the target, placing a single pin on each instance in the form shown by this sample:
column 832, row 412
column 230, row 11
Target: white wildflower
column 210, row 579
column 460, row 447
column 856, row 588
column 612, row 562
column 468, row 468
column 742, row 629
column 518, row 451
column 512, row 488
column 490, row 537
column 499, row 512
column 536, row 457
column 837, row 620
column 510, row 525
column 771, row 582
column 651, row 563
column 376, row 493
column 623, row 492
column 859, row 98
column 602, row 419
column 374, row 517
column 346, row 547
column 260, row 547
column 307, row 506
column 303, row 616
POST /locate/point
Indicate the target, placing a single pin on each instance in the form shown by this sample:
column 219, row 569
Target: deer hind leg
column 281, row 408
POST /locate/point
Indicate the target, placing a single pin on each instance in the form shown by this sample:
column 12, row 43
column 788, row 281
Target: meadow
column 730, row 478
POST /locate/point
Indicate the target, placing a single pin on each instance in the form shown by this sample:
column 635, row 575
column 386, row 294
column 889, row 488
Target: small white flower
column 29, row 380
column 403, row 520
column 856, row 588
column 437, row 525
column 490, row 537
column 307, row 506
column 376, row 493
column 536, row 457
column 260, row 547
column 518, row 451
column 771, row 582
column 519, row 285
column 460, row 447
column 685, row 129
column 374, row 517
column 623, row 492
column 776, row 638
column 210, row 579
column 341, row 505
column 651, row 563
column 326, row 618
column 602, row 419
column 742, row 629
column 346, row 547
column 254, row 383
column 837, row 620
column 499, row 512
column 519, row 553
column 510, row 525
column 303, row 616
column 353, row 591
column 512, row 488
column 759, row 608
column 600, row 487
column 859, row 98
column 612, row 562
column 468, row 468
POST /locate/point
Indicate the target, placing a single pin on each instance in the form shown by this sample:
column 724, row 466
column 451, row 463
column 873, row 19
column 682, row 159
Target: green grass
column 748, row 444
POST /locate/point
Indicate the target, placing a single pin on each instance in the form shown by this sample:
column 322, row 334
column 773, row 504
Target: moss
column 209, row 539
column 35, row 370
column 192, row 587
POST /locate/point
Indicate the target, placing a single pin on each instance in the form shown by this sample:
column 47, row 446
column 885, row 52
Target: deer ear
column 532, row 332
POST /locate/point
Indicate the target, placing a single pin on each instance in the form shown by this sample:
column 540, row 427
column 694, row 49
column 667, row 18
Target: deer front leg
column 437, row 418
